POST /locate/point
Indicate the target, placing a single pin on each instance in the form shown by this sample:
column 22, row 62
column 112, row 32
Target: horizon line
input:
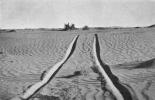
column 145, row 26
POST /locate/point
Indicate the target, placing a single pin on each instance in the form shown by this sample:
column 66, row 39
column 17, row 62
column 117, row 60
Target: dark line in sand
column 75, row 74
column 126, row 94
column 72, row 50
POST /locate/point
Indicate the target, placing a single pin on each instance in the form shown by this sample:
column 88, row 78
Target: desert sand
column 128, row 53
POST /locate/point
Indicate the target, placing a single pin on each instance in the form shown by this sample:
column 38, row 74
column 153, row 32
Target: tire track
column 50, row 74
column 118, row 90
column 23, row 55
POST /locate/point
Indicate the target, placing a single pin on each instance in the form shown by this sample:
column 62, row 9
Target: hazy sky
column 54, row 13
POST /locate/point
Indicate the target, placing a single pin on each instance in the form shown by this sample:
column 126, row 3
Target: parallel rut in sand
column 77, row 77
column 113, row 85
column 115, row 64
column 34, row 88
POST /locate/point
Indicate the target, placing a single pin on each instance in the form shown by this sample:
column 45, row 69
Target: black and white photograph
column 77, row 49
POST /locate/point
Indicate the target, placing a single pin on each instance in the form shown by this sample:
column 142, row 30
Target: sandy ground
column 26, row 54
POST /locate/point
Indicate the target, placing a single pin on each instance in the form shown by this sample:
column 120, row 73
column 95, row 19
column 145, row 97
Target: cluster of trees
column 72, row 27
column 85, row 28
column 69, row 27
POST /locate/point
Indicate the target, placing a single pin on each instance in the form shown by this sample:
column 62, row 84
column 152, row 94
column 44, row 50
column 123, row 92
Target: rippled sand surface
column 25, row 55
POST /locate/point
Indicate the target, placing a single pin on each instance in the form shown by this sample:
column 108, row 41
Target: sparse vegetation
column 85, row 28
column 72, row 27
column 69, row 27
column 6, row 31
column 151, row 26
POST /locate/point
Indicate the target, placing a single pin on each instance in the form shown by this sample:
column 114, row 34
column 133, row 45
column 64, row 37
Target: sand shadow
column 126, row 94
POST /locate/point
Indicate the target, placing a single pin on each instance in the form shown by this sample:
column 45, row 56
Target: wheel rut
column 49, row 75
column 120, row 92
column 106, row 86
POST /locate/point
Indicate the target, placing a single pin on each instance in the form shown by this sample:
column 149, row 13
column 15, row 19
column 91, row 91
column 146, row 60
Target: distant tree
column 69, row 27
column 66, row 27
column 85, row 28
column 72, row 27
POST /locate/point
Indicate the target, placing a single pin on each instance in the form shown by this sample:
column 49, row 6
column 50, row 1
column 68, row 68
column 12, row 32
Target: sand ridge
column 22, row 57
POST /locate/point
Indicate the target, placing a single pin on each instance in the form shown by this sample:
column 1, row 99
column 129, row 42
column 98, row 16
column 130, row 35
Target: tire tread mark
column 125, row 93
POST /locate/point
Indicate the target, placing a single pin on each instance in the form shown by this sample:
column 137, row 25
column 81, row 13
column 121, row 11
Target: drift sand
column 26, row 54
column 34, row 88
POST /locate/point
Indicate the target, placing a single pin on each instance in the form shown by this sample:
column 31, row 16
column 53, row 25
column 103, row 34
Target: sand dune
column 25, row 55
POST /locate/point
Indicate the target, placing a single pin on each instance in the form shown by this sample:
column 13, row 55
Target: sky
column 93, row 13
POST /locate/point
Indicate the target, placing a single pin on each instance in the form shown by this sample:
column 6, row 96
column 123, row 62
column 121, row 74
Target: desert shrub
column 6, row 31
column 12, row 31
column 85, row 28
column 72, row 27
column 68, row 27
column 151, row 26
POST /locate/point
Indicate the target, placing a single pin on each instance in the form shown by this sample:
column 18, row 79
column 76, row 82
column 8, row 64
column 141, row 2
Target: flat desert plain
column 27, row 55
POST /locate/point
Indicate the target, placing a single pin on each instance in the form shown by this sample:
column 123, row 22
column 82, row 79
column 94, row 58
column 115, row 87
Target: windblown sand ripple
column 26, row 55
